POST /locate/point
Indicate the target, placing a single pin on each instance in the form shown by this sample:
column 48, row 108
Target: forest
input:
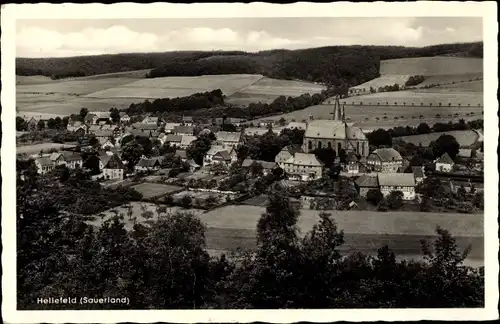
column 332, row 65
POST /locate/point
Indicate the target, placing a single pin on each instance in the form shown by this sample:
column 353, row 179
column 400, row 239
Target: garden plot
column 151, row 190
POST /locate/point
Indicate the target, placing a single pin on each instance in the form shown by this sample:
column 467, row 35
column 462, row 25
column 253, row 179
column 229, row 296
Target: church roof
column 334, row 129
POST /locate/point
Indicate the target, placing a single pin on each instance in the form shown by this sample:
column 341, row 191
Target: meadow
column 36, row 148
column 437, row 65
column 382, row 81
column 448, row 79
column 151, row 190
column 464, row 138
column 233, row 227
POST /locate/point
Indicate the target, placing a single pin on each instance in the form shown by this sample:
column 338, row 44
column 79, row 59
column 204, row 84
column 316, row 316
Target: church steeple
column 337, row 112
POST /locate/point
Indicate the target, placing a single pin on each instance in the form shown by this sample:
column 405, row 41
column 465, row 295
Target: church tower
column 337, row 110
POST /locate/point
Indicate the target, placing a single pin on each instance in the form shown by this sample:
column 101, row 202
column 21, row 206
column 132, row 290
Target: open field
column 151, row 190
column 368, row 113
column 464, row 138
column 136, row 212
column 451, row 78
column 233, row 227
column 266, row 90
column 407, row 98
column 472, row 87
column 382, row 81
column 437, row 65
column 371, row 124
column 36, row 148
column 100, row 93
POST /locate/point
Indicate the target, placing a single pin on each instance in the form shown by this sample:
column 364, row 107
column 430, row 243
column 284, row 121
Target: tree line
column 165, row 265
column 332, row 65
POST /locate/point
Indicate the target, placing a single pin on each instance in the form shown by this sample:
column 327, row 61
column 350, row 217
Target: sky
column 75, row 37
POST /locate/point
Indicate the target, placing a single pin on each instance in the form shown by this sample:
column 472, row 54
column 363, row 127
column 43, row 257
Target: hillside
column 438, row 65
column 334, row 65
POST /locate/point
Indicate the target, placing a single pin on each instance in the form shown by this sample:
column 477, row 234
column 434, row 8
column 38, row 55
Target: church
column 335, row 133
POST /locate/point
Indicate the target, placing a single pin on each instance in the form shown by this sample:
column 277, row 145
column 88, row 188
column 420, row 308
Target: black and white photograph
column 256, row 158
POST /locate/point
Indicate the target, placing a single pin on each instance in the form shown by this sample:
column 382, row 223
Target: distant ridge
column 331, row 65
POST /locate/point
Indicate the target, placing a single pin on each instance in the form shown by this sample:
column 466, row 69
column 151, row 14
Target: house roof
column 54, row 156
column 386, row 155
column 305, row 159
column 351, row 157
column 292, row 149
column 114, row 163
column 215, row 148
column 89, row 117
column 224, row 155
column 396, row 179
column 367, row 181
column 250, row 131
column 173, row 138
column 297, row 125
column 465, row 152
column 247, row 163
column 104, row 140
column 445, row 159
column 192, row 163
column 103, row 114
column 265, row 164
column 72, row 157
column 103, row 134
column 228, row 136
column 187, row 139
column 147, row 163
column 187, row 118
column 44, row 161
column 143, row 126
column 184, row 129
column 333, row 129
column 181, row 153
column 171, row 126
column 122, row 114
column 418, row 171
column 105, row 158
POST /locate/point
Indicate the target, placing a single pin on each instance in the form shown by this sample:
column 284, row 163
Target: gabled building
column 146, row 164
column 286, row 153
column 186, row 141
column 174, row 140
column 444, row 163
column 106, row 143
column 187, row 121
column 44, row 165
column 231, row 139
column 90, row 119
column 150, row 120
column 145, row 126
column 296, row 125
column 266, row 166
column 352, row 163
column 114, row 168
column 57, row 158
column 228, row 156
column 73, row 160
column 183, row 130
column 404, row 182
column 366, row 183
column 182, row 154
column 124, row 118
column 303, row 166
column 385, row 160
column 170, row 127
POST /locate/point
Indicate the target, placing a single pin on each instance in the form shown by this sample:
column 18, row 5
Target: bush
column 395, row 200
column 374, row 196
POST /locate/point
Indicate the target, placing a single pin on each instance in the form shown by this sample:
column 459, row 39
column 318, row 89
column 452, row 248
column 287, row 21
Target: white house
column 296, row 125
column 174, row 140
column 231, row 139
column 385, row 160
column 303, row 166
column 114, row 168
column 146, row 164
column 44, row 165
column 124, row 118
column 404, row 182
column 186, row 140
column 227, row 155
column 286, row 153
column 150, row 120
column 57, row 158
column 444, row 163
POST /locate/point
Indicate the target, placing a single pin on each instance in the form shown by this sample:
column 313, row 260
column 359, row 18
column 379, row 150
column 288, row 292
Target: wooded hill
column 332, row 65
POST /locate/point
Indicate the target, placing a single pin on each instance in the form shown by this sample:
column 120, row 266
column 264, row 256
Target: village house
column 266, row 166
column 193, row 166
column 124, row 118
column 183, row 130
column 106, row 143
column 103, row 135
column 182, row 154
column 73, row 160
column 286, row 153
column 57, row 158
column 44, row 165
column 236, row 121
column 465, row 153
column 386, row 160
column 229, row 156
column 444, row 163
column 150, row 120
column 354, row 165
column 296, row 125
column 187, row 121
column 146, row 164
column 90, row 119
column 404, row 182
column 304, row 166
column 366, row 183
column 186, row 141
column 114, row 168
column 231, row 139
column 174, row 140
column 145, row 127
column 257, row 131
column 32, row 123
column 170, row 127
column 419, row 173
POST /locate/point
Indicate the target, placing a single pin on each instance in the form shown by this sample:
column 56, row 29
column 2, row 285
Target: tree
column 132, row 153
column 374, row 196
column 325, row 155
column 186, row 201
column 40, row 125
column 93, row 141
column 20, row 124
column 83, row 113
column 256, row 169
column 228, row 127
column 379, row 137
column 423, row 128
column 445, row 144
column 92, row 162
column 198, row 148
column 282, row 121
column 395, row 199
column 114, row 115
column 342, row 156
